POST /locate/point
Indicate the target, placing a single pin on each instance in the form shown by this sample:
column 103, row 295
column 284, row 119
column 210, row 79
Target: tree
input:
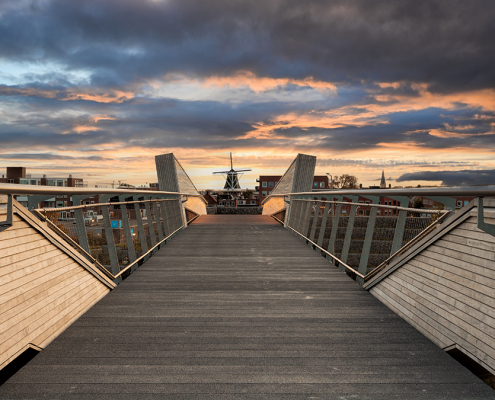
column 345, row 181
column 418, row 202
column 247, row 193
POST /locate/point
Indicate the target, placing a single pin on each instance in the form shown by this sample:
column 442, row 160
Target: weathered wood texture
column 236, row 307
column 43, row 289
column 446, row 288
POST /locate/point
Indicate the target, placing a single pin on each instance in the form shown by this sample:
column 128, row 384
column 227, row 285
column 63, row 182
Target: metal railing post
column 348, row 234
column 323, row 227
column 142, row 234
column 365, row 252
column 159, row 226
column 151, row 227
column 129, row 239
column 335, row 228
column 399, row 232
column 163, row 211
column 306, row 218
column 81, row 229
column 112, row 250
column 315, row 219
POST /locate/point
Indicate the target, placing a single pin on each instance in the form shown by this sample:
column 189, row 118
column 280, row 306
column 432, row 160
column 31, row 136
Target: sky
column 97, row 88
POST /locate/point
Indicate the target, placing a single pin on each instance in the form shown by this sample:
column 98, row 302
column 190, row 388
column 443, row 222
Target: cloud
column 452, row 178
column 341, row 41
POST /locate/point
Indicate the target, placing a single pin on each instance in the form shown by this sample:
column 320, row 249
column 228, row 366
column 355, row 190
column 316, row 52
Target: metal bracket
column 10, row 215
column 488, row 228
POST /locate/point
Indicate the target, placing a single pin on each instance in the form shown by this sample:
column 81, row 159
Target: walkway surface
column 236, row 307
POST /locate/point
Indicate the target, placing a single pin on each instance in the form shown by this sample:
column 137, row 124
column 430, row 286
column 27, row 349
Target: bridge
column 304, row 302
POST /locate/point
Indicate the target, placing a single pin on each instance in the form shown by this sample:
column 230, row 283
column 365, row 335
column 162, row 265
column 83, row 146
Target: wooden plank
column 61, row 325
column 19, row 259
column 471, row 246
column 470, row 270
column 465, row 303
column 17, row 233
column 35, row 264
column 452, row 337
column 480, row 293
column 396, row 305
column 71, row 312
column 476, row 236
column 13, row 251
column 18, row 241
column 62, row 244
column 454, row 274
column 21, row 285
column 48, row 323
column 469, row 319
column 42, row 324
column 36, row 300
column 450, row 324
column 26, row 298
column 20, row 319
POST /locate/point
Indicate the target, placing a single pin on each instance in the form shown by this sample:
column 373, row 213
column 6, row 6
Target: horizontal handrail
column 414, row 210
column 475, row 191
column 57, row 209
column 13, row 188
column 40, row 214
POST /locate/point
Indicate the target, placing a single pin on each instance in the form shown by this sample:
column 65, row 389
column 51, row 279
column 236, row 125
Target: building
column 18, row 175
column 268, row 182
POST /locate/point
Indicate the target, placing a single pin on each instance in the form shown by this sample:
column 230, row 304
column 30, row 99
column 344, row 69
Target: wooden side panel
column 447, row 291
column 43, row 289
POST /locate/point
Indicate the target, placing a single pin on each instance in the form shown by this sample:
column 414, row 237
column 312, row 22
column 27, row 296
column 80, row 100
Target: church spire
column 383, row 184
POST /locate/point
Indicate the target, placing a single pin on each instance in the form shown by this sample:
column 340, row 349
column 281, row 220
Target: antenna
column 231, row 163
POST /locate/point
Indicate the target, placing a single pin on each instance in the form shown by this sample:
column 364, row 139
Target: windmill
column 232, row 176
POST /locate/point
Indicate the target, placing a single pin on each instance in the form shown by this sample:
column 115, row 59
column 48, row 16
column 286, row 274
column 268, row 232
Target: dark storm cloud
column 447, row 43
column 453, row 178
column 50, row 124
column 404, row 127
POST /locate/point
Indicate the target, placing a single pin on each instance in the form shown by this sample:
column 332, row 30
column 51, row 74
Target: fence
column 363, row 237
column 116, row 236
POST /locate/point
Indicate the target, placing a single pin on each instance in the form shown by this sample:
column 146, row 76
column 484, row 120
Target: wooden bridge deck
column 237, row 307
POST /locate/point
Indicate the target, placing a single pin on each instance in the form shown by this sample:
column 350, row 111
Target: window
column 263, row 184
column 60, row 183
column 367, row 202
column 32, row 182
column 270, row 192
column 361, row 212
column 10, row 181
column 322, row 184
column 263, row 193
column 270, row 184
column 459, row 204
column 315, row 184
column 344, row 211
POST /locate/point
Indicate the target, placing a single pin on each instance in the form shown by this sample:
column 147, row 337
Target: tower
column 383, row 183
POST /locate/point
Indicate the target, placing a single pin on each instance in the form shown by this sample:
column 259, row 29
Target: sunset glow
column 204, row 80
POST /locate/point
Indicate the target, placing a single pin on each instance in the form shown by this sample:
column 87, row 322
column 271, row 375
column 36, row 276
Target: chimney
column 360, row 186
column 390, row 186
column 44, row 176
column 70, row 176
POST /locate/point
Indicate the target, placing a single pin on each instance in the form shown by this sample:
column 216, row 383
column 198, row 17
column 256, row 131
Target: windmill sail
column 232, row 176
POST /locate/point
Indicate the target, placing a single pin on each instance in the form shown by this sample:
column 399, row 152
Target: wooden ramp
column 236, row 307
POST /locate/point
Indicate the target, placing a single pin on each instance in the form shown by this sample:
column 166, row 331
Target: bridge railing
column 116, row 235
column 360, row 235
